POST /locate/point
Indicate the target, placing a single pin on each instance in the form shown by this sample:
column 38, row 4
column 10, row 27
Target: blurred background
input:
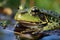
column 47, row 4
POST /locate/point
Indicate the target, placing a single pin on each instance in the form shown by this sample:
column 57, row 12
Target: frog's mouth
column 28, row 23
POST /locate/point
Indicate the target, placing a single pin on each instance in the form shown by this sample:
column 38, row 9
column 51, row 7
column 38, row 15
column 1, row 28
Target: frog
column 34, row 21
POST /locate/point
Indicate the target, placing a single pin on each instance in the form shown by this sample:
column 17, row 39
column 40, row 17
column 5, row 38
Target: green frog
column 35, row 16
column 34, row 21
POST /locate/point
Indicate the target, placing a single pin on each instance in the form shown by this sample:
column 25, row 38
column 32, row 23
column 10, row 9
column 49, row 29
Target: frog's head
column 29, row 16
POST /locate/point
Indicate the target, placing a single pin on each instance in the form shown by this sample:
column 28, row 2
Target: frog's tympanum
column 34, row 21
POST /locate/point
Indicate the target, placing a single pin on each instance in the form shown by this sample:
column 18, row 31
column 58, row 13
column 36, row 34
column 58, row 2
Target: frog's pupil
column 35, row 9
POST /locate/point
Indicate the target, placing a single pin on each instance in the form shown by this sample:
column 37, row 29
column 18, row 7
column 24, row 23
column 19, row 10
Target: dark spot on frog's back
column 59, row 23
column 59, row 17
column 45, row 24
column 42, row 17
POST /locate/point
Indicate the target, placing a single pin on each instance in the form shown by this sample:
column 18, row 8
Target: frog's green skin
column 27, row 17
column 53, row 22
column 51, row 17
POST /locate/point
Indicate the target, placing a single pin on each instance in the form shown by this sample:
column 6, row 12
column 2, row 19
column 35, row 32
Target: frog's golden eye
column 34, row 11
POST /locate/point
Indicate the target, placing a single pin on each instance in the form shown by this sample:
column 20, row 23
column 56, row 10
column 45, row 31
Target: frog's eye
column 34, row 11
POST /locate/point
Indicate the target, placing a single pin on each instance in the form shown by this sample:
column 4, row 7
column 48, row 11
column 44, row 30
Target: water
column 6, row 35
column 52, row 37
